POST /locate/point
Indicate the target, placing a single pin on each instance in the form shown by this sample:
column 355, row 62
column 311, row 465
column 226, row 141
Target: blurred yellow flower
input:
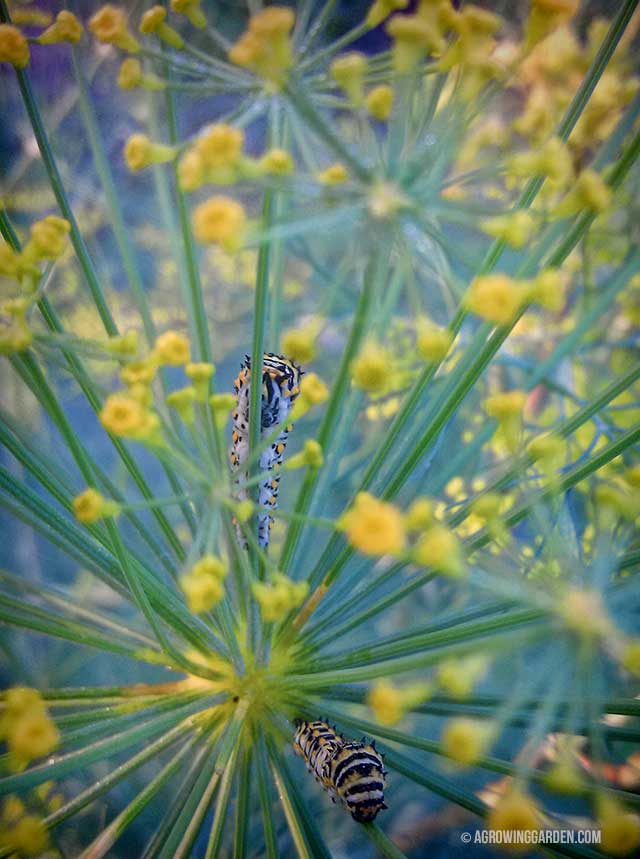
column 220, row 220
column 379, row 102
column 14, row 47
column 374, row 527
column 90, row 506
column 172, row 349
column 109, row 25
column 66, row 28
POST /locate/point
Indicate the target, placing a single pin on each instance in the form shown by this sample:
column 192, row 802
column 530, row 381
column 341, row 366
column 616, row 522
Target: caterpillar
column 280, row 387
column 351, row 772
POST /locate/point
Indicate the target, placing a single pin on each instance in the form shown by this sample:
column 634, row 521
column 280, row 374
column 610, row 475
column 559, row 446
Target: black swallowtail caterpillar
column 280, row 387
column 353, row 773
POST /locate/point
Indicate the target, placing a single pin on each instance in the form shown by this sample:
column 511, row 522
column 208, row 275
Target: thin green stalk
column 222, row 805
column 242, row 803
column 262, row 777
column 385, row 846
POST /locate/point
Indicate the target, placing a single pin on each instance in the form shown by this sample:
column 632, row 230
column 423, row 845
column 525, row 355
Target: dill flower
column 619, row 827
column 140, row 152
column 153, row 21
column 200, row 374
column 506, row 407
column 420, row 514
column 210, row 565
column 381, row 9
column 309, row 457
column 66, row 28
column 172, row 349
column 516, row 811
column 549, row 451
column 496, row 298
column 465, row 740
column 220, row 145
column 202, row 590
column 28, row 836
column 432, row 341
column 47, row 239
column 10, row 261
column 379, row 102
column 221, row 405
column 348, row 71
column 545, row 16
column 439, row 548
column 91, row 506
column 370, row 368
column 15, row 335
column 335, row 174
column 589, row 192
column 109, row 25
column 138, row 373
column 14, row 47
column 26, row 727
column 374, row 527
column 191, row 171
column 299, row 344
column 514, row 228
column 122, row 415
column 131, row 76
column 220, row 220
column 548, row 289
column 313, row 392
column 192, row 10
column 277, row 162
column 182, row 401
column 413, row 37
column 389, row 702
column 266, row 47
column 279, row 596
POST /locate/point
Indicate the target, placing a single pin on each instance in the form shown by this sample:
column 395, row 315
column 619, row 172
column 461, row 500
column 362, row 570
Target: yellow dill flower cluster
column 439, row 548
column 313, row 392
column 203, row 585
column 47, row 240
column 220, row 220
column 514, row 812
column 22, row 833
column 279, row 596
column 466, row 740
column 90, row 506
column 506, row 407
column 371, row 369
column 334, row 174
column 432, row 341
column 192, row 10
column 348, row 71
column 15, row 333
column 498, row 298
column 26, row 727
column 215, row 156
column 390, row 703
column 109, row 25
column 265, row 47
column 299, row 344
column 619, row 827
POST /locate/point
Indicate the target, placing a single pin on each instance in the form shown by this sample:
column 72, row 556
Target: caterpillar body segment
column 280, row 387
column 351, row 772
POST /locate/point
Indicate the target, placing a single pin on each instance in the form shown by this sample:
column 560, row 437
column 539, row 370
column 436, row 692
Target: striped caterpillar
column 352, row 773
column 280, row 387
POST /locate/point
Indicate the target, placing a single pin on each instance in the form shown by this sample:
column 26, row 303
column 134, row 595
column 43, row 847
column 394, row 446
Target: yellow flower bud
column 220, row 145
column 582, row 612
column 630, row 658
column 335, row 174
column 153, row 21
column 390, row 702
column 29, row 837
column 192, row 10
column 370, row 369
column 310, row 457
column 191, row 171
column 313, row 392
column 91, row 506
column 200, row 374
column 299, row 344
column 244, row 509
column 266, row 46
column 465, row 740
column 210, row 565
column 619, row 827
column 15, row 335
column 505, row 405
column 381, row 9
column 122, row 415
column 379, row 102
column 130, row 76
column 374, row 527
column 439, row 548
column 545, row 16
column 123, row 345
column 221, row 405
column 203, row 591
column 278, row 597
column 348, row 71
column 14, row 48
column 66, row 28
column 413, row 37
column 420, row 514
column 47, row 239
column 549, row 450
column 432, row 341
column 109, row 25
column 140, row 152
column 515, row 229
column 277, row 162
column 548, row 289
column 182, row 401
column 172, row 349
column 220, row 220
column 496, row 298
column 138, row 373
column 590, row 192
column 516, row 811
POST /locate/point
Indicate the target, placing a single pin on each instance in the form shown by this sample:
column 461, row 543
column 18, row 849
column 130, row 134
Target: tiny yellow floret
column 172, row 349
column 122, row 415
column 183, row 402
column 200, row 374
column 420, row 514
column 389, row 702
column 496, row 298
column 140, row 152
column 29, row 836
column 432, row 341
column 313, row 392
column 210, row 565
column 515, row 812
column 505, row 405
column 439, row 548
column 277, row 162
column 91, row 506
column 335, row 174
column 370, row 369
column 379, row 102
column 14, row 47
column 279, row 596
column 192, row 10
column 309, row 457
column 515, row 228
column 299, row 344
column 202, row 591
column 589, row 192
column 47, row 239
column 348, row 71
column 220, row 220
column 66, row 28
column 374, row 527
column 619, row 827
column 109, row 25
column 465, row 740
column 381, row 9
